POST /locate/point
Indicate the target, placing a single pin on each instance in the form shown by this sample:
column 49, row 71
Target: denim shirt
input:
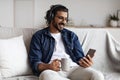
column 42, row 47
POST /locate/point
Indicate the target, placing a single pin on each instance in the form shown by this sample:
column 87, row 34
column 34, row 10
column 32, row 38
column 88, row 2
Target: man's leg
column 81, row 73
column 52, row 75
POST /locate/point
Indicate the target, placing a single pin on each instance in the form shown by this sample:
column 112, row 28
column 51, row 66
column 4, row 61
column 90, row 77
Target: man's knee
column 51, row 75
column 47, row 74
column 97, row 75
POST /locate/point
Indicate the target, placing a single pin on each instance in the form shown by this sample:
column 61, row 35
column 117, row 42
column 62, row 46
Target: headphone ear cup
column 51, row 16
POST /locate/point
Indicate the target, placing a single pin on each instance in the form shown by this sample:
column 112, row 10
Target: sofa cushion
column 13, row 57
column 30, row 77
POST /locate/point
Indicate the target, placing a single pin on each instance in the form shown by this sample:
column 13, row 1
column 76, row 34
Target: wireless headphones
column 52, row 12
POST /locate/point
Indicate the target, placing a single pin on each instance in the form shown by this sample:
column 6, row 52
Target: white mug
column 65, row 64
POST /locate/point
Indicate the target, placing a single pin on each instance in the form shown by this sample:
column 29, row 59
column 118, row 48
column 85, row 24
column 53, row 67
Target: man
column 51, row 44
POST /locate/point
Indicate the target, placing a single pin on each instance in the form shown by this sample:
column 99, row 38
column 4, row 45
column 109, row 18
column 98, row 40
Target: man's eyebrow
column 61, row 17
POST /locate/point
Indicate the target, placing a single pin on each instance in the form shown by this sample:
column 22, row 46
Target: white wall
column 31, row 13
column 24, row 13
column 6, row 13
column 82, row 12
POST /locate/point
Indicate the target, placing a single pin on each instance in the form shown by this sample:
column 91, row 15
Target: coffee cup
column 65, row 64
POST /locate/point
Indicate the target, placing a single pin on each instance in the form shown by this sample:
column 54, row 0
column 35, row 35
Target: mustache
column 62, row 24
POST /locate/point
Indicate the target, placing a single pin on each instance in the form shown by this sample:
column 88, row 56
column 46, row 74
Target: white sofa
column 107, row 48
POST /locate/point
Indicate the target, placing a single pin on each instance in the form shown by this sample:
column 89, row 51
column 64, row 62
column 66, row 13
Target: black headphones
column 51, row 12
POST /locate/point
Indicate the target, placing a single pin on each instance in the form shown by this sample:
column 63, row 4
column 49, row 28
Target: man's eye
column 60, row 17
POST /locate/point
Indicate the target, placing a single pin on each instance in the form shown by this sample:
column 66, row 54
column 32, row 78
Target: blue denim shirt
column 42, row 47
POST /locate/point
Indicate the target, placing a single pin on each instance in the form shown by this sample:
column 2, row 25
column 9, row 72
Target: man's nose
column 64, row 21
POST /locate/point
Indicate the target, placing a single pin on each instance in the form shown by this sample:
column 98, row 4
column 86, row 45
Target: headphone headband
column 52, row 9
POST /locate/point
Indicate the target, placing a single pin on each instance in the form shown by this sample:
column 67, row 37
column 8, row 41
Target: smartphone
column 91, row 53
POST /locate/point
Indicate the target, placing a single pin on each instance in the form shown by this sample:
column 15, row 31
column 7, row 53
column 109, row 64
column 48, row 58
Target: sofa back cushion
column 95, row 38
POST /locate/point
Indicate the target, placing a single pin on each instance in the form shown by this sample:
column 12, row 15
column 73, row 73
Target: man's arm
column 35, row 54
column 84, row 61
column 55, row 65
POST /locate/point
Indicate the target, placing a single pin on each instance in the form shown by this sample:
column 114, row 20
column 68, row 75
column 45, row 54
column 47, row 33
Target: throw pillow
column 13, row 57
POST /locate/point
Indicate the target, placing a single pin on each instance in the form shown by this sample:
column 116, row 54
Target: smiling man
column 59, row 22
column 49, row 45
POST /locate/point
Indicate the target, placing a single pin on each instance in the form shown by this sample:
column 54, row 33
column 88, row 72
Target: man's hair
column 50, row 14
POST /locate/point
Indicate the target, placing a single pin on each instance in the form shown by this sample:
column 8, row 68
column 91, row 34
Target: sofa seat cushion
column 31, row 77
column 108, row 76
column 112, row 76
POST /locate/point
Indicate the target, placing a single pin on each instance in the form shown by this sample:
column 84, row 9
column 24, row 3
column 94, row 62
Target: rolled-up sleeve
column 77, row 48
column 35, row 54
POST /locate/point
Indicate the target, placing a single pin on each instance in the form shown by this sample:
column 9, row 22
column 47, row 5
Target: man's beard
column 59, row 26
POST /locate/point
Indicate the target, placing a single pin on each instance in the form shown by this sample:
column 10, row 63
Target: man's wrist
column 43, row 66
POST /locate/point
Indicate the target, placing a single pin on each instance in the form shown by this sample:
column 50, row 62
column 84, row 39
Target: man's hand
column 86, row 61
column 55, row 65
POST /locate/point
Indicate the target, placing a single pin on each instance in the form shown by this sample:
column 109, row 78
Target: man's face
column 60, row 20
